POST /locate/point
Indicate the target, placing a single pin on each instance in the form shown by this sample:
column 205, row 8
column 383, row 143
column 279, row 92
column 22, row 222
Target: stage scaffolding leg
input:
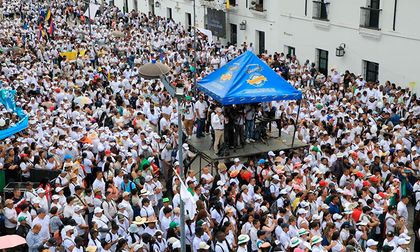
column 297, row 118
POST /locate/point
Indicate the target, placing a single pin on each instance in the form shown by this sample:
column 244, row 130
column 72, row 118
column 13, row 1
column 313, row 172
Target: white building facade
column 380, row 38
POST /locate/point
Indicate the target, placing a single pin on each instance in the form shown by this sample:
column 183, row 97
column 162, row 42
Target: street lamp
column 339, row 51
column 242, row 25
column 158, row 70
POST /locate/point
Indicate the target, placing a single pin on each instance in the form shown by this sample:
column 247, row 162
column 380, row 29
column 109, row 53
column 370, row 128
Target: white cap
column 264, row 209
column 337, row 216
column 55, row 197
column 77, row 208
column 148, row 178
column 236, row 160
column 68, row 228
column 271, row 153
column 40, row 190
column 372, row 242
column 98, row 210
column 275, row 177
column 302, row 211
column 121, row 205
column 402, row 241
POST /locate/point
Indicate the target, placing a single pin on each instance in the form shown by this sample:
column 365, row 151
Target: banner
column 216, row 22
column 7, row 98
column 93, row 8
column 72, row 55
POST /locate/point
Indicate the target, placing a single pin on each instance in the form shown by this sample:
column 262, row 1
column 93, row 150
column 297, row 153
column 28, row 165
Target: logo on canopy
column 255, row 78
column 228, row 76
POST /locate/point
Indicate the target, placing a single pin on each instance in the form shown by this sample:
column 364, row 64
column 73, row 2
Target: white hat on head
column 77, row 208
column 403, row 241
column 337, row 216
column 236, row 160
column 271, row 153
column 98, row 210
column 371, row 242
column 302, row 211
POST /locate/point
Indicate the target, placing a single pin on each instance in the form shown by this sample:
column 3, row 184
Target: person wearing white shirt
column 372, row 246
column 217, row 123
column 402, row 207
column 282, row 237
column 147, row 209
column 201, row 114
column 44, row 220
column 10, row 216
column 99, row 183
column 25, row 213
column 221, row 244
column 166, row 220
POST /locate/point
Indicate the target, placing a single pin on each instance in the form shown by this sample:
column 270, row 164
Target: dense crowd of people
column 111, row 136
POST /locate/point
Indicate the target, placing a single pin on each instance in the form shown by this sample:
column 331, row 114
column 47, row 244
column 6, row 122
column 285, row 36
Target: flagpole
column 181, row 173
column 195, row 48
column 90, row 27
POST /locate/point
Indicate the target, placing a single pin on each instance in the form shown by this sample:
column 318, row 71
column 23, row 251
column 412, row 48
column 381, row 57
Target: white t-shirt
column 10, row 214
column 201, row 107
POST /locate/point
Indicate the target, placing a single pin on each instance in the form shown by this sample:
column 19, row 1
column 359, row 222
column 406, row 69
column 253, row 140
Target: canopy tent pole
column 297, row 117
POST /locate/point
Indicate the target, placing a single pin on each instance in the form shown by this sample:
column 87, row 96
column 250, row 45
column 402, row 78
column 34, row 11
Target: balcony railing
column 369, row 18
column 258, row 7
column 320, row 10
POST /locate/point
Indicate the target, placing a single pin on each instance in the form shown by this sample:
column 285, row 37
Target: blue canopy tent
column 247, row 79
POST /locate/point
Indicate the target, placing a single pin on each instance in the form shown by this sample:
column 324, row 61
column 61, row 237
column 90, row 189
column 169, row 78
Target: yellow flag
column 48, row 15
column 227, row 4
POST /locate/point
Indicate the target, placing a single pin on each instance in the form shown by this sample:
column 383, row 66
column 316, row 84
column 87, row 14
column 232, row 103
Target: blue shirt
column 33, row 241
column 334, row 209
column 130, row 186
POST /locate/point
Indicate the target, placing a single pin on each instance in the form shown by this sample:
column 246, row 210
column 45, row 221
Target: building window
column 369, row 16
column 233, row 34
column 322, row 61
column 261, row 42
column 320, row 10
column 233, row 3
column 257, row 5
column 188, row 21
column 290, row 50
column 371, row 70
column 125, row 6
column 169, row 13
column 136, row 5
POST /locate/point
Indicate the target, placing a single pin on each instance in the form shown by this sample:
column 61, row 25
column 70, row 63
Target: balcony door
column 374, row 14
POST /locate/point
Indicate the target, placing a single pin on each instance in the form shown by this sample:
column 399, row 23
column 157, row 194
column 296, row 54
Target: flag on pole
column 40, row 32
column 52, row 27
column 48, row 16
column 227, row 4
column 189, row 201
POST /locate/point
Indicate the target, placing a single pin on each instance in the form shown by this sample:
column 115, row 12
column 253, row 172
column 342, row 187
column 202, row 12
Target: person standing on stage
column 201, row 107
column 189, row 116
column 218, row 124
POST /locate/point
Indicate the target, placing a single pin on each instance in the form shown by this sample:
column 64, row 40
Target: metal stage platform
column 204, row 149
